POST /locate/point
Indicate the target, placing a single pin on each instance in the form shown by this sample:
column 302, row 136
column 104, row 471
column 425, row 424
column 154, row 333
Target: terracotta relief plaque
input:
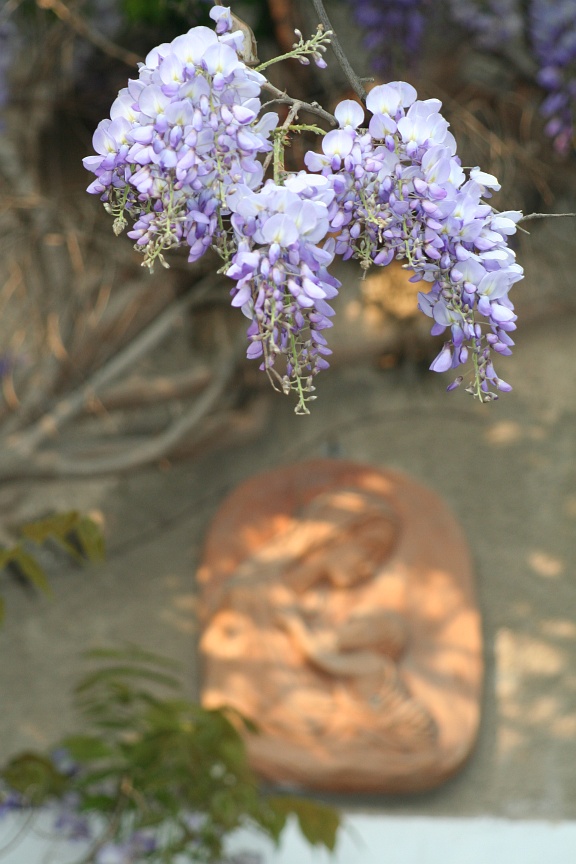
column 339, row 614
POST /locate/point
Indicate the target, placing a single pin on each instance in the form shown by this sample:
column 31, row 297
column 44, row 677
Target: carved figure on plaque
column 339, row 615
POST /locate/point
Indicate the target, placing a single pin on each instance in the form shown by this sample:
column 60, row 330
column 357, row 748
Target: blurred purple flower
column 552, row 25
column 393, row 30
column 492, row 22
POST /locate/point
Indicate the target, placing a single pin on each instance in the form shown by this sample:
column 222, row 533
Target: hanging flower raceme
column 178, row 138
column 282, row 284
column 179, row 157
column 400, row 192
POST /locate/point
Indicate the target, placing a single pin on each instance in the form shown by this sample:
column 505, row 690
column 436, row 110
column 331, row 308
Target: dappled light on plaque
column 339, row 615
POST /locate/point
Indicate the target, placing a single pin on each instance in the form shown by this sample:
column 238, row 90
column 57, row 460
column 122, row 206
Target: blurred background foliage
column 77, row 535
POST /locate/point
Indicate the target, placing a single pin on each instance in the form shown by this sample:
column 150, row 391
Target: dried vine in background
column 79, row 317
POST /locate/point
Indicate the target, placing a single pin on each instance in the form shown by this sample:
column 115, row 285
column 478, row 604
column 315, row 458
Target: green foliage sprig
column 155, row 768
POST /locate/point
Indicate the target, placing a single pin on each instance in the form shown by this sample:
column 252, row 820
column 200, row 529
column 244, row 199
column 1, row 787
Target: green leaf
column 110, row 673
column 129, row 654
column 79, row 535
column 30, row 569
column 87, row 748
column 57, row 526
column 271, row 819
column 152, row 819
column 98, row 802
column 110, row 775
column 5, row 557
column 225, row 810
column 90, row 538
column 237, row 718
column 318, row 823
column 34, row 776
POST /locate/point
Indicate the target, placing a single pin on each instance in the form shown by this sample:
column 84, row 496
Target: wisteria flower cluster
column 283, row 282
column 179, row 157
column 400, row 192
column 178, row 138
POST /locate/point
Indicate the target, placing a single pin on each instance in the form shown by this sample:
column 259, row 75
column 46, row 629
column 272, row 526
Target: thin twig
column 80, row 26
column 312, row 107
column 532, row 216
column 291, row 116
column 353, row 79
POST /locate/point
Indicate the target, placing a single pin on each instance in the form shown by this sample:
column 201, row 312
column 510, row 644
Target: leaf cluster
column 151, row 760
column 79, row 536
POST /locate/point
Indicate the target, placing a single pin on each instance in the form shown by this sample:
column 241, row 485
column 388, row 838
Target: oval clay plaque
column 339, row 614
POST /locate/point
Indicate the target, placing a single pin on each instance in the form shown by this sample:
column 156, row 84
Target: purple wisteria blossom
column 130, row 851
column 400, row 192
column 10, row 800
column 180, row 157
column 69, row 822
column 553, row 36
column 492, row 22
column 282, row 282
column 178, row 138
column 548, row 28
column 393, row 30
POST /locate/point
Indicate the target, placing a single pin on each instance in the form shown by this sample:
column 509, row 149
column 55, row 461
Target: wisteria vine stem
column 352, row 77
column 282, row 98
